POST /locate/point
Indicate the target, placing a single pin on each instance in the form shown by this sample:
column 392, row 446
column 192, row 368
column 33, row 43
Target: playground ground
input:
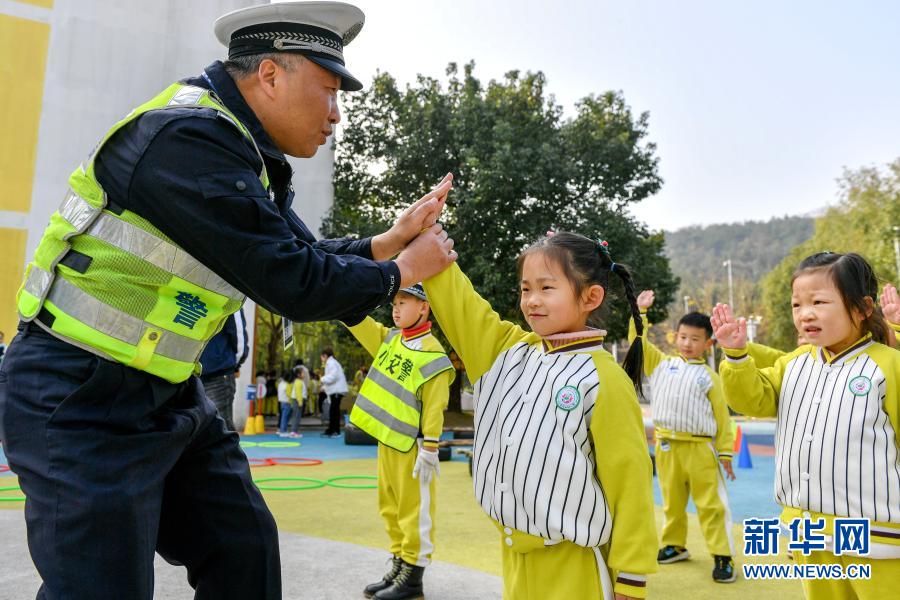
column 343, row 525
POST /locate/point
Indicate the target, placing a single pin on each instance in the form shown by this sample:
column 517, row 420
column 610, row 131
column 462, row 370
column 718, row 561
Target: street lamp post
column 897, row 249
column 727, row 263
column 686, row 302
column 753, row 322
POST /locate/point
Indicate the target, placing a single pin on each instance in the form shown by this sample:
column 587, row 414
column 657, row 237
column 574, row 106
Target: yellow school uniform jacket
column 763, row 356
column 836, row 442
column 298, row 391
column 560, row 450
column 435, row 392
column 686, row 397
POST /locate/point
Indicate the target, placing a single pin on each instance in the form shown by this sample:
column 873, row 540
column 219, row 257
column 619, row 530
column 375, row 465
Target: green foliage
column 309, row 341
column 520, row 169
column 697, row 254
column 862, row 222
column 753, row 246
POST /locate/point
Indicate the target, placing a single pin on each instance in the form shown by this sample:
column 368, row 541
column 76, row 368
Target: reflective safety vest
column 106, row 280
column 388, row 406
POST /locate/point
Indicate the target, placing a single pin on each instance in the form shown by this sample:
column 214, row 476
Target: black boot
column 388, row 579
column 407, row 585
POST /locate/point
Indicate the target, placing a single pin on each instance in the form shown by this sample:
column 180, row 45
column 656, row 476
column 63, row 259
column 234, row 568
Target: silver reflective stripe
column 38, row 281
column 115, row 323
column 189, row 94
column 77, row 211
column 436, row 366
column 391, row 335
column 395, row 389
column 383, row 417
column 168, row 257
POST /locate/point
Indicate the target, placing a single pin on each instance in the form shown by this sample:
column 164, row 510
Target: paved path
column 312, row 568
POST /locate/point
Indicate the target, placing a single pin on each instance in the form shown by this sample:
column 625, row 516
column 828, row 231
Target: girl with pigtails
column 836, row 401
column 560, row 454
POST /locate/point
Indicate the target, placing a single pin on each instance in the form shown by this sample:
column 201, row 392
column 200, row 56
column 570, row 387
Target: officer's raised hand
column 426, row 256
column 420, row 215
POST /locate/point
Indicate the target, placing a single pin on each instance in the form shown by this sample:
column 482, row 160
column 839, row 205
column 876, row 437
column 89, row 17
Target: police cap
column 318, row 30
column 415, row 290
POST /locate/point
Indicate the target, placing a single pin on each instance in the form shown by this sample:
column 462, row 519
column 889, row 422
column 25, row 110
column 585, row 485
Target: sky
column 755, row 107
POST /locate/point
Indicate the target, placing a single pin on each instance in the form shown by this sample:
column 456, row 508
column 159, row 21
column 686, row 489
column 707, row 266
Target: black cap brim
column 349, row 83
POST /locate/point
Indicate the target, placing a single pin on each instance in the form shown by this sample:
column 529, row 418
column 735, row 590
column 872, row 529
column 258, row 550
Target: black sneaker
column 724, row 570
column 671, row 554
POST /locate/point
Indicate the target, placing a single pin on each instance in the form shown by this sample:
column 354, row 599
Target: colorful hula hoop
column 315, row 484
column 279, row 444
column 248, row 444
column 10, row 488
column 4, row 468
column 352, row 486
column 261, row 462
column 293, row 461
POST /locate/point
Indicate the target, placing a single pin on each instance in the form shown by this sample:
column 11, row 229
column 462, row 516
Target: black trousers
column 116, row 465
column 334, row 413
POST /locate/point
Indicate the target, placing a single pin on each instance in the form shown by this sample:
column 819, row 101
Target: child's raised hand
column 645, row 299
column 890, row 303
column 730, row 333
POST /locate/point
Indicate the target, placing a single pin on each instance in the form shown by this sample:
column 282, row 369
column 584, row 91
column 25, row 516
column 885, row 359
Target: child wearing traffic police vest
column 693, row 441
column 837, row 405
column 560, row 458
column 401, row 403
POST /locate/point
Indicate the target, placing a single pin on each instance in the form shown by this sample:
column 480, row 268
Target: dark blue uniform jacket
column 195, row 177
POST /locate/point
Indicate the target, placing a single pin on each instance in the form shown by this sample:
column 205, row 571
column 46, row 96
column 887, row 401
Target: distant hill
column 696, row 253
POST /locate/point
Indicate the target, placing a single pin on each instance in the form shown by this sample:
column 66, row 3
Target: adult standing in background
column 334, row 383
column 221, row 360
column 182, row 210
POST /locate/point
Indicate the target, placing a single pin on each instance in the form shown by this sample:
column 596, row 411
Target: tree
column 862, row 222
column 520, row 169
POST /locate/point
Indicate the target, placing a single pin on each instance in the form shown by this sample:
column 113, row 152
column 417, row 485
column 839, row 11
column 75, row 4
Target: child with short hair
column 693, row 439
column 837, row 405
column 560, row 460
column 401, row 403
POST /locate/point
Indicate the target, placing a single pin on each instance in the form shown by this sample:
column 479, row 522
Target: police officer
column 183, row 208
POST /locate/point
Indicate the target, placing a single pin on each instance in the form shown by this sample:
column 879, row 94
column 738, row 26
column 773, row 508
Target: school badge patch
column 860, row 385
column 568, row 398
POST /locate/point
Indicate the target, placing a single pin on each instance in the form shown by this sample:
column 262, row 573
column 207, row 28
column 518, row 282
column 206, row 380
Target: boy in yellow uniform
column 693, row 437
column 401, row 403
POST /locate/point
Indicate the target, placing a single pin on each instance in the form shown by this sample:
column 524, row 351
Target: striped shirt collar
column 691, row 361
column 582, row 341
column 838, row 359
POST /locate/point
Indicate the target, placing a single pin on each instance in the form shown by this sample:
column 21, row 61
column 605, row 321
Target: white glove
column 427, row 464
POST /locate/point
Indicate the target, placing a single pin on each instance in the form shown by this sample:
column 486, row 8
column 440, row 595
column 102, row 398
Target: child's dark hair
column 855, row 280
column 587, row 262
column 288, row 375
column 698, row 320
